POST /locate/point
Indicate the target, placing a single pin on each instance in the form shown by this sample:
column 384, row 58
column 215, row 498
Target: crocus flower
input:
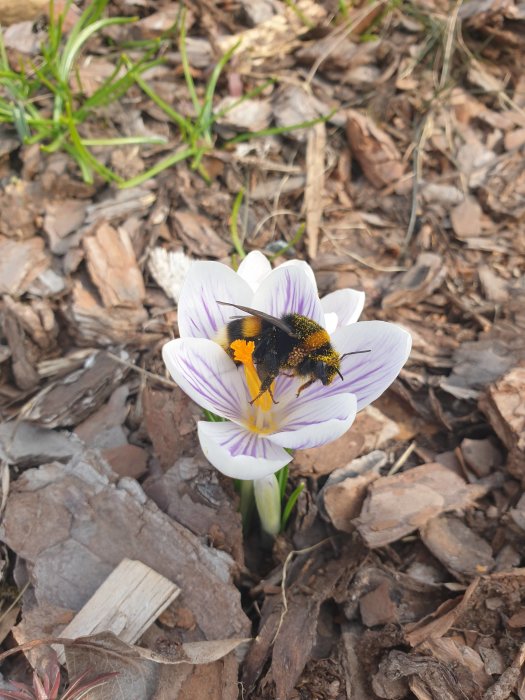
column 251, row 443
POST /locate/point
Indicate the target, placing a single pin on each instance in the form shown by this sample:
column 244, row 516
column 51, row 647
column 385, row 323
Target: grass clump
column 38, row 100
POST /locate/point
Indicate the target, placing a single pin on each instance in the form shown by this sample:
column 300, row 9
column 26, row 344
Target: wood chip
column 466, row 218
column 113, row 267
column 20, row 264
column 397, row 505
column 374, row 150
column 199, row 235
column 504, row 405
column 372, row 430
column 70, row 400
column 457, row 547
column 126, row 603
column 418, row 283
column 313, row 195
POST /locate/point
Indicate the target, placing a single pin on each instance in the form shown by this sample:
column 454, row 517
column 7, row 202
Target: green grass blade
column 158, row 168
column 70, row 52
column 125, row 141
column 205, row 118
column 277, row 130
column 184, row 125
column 234, row 231
column 295, row 240
column 282, row 480
column 186, row 65
column 290, row 504
column 255, row 92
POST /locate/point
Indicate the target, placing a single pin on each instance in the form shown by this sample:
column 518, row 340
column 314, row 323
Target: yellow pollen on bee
column 243, row 353
column 316, row 340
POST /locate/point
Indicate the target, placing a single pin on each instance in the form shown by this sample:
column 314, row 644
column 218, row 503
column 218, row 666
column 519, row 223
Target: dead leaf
column 418, row 283
column 466, row 218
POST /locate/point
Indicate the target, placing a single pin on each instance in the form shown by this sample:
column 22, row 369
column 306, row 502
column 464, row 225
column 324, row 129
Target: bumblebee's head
column 327, row 369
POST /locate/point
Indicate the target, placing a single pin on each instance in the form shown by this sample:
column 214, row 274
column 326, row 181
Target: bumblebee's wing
column 277, row 322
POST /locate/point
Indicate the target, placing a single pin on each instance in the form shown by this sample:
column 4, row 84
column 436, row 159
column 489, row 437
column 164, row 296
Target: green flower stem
column 247, row 502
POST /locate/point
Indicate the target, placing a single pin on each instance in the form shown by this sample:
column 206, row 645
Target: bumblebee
column 293, row 345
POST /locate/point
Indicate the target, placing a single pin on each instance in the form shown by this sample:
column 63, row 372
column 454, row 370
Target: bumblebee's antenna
column 355, row 352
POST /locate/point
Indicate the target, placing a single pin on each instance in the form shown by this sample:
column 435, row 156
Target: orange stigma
column 243, row 353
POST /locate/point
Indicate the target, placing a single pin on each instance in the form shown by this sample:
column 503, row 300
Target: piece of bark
column 373, row 149
column 74, row 523
column 28, row 445
column 70, row 400
column 170, row 420
column 418, row 283
column 20, row 264
column 372, row 430
column 113, row 267
column 94, row 324
column 494, row 288
column 24, row 353
column 342, row 497
column 466, row 218
column 126, row 603
column 377, row 607
column 482, row 456
column 62, row 218
column 198, row 234
column 191, row 493
column 461, row 612
column 464, row 553
column 399, row 504
column 314, row 191
column 248, row 115
column 504, row 405
column 311, row 580
column 127, row 460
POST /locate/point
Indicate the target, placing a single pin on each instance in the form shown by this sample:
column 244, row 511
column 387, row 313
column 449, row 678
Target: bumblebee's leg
column 306, row 385
column 266, row 386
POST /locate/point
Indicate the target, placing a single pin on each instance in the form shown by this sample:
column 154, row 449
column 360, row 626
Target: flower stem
column 247, row 502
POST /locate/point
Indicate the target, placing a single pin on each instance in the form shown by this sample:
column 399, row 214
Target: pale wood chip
column 313, row 196
column 113, row 267
column 21, row 262
column 126, row 603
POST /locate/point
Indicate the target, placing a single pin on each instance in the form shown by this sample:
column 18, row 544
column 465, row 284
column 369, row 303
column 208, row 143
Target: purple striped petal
column 254, row 268
column 200, row 316
column 370, row 374
column 347, row 304
column 208, row 375
column 311, row 423
column 239, row 453
column 289, row 290
column 305, row 267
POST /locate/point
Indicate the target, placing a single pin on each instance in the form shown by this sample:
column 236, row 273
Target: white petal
column 346, row 303
column 305, row 267
column 369, row 374
column 200, row 316
column 239, row 453
column 330, row 322
column 208, row 375
column 308, row 424
column 254, row 268
column 287, row 290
